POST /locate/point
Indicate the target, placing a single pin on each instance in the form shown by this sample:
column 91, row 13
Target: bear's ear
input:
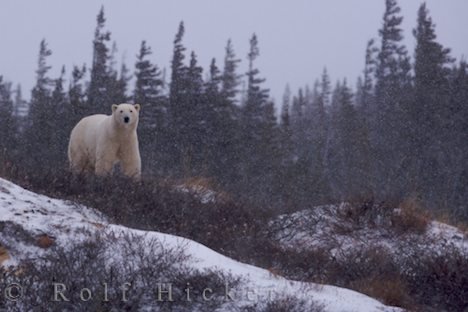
column 137, row 107
column 114, row 107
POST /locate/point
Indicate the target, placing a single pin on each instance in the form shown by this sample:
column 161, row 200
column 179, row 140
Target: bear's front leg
column 132, row 169
column 131, row 162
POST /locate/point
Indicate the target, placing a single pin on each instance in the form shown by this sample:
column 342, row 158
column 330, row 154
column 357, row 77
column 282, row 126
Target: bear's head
column 126, row 115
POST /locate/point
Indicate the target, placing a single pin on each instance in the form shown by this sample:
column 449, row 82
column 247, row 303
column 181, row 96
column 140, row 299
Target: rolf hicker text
column 162, row 292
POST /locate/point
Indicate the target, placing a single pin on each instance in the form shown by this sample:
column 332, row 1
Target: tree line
column 402, row 131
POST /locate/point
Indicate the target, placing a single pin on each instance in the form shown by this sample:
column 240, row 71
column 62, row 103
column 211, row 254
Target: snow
column 322, row 227
column 70, row 223
column 203, row 194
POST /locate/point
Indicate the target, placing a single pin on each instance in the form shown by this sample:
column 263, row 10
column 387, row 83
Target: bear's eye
column 131, row 111
column 121, row 111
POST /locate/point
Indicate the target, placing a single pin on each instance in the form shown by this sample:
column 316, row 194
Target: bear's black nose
column 127, row 119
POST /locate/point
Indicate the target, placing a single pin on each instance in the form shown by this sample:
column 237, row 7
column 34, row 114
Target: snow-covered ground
column 322, row 227
column 68, row 223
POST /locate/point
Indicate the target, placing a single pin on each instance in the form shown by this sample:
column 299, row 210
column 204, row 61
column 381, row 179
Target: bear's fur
column 98, row 142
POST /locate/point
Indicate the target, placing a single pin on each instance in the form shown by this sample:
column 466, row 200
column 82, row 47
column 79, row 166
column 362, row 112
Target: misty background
column 281, row 106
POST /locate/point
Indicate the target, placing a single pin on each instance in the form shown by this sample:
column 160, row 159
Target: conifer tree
column 230, row 78
column 120, row 92
column 21, row 106
column 193, row 121
column 391, row 95
column 153, row 119
column 455, row 186
column 77, row 94
column 148, row 84
column 61, row 125
column 178, row 72
column 348, row 157
column 426, row 115
column 365, row 90
column 39, row 128
column 321, row 107
column 8, row 125
column 213, row 123
column 286, row 134
column 99, row 97
column 229, row 136
column 256, row 96
column 259, row 133
column 177, row 101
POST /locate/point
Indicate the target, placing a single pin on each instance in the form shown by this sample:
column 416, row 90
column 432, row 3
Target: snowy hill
column 52, row 223
column 345, row 227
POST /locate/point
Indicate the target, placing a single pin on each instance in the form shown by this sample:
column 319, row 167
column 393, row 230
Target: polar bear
column 98, row 142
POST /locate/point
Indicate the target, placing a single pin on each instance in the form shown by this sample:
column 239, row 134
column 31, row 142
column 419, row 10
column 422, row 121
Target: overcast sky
column 297, row 38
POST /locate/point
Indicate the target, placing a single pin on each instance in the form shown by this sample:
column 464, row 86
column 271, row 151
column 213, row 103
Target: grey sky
column 297, row 38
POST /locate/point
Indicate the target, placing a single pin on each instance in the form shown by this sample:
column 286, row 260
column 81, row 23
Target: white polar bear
column 98, row 142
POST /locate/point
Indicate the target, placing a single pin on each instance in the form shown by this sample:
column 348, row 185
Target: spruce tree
column 153, row 119
column 61, row 123
column 256, row 96
column 99, row 97
column 20, row 110
column 40, row 124
column 193, row 121
column 259, row 133
column 286, row 135
column 177, row 102
column 117, row 85
column 228, row 132
column 148, row 84
column 213, row 119
column 456, row 182
column 428, row 114
column 320, row 111
column 286, row 178
column 178, row 72
column 230, row 78
column 77, row 94
column 348, row 144
column 8, row 124
column 365, row 90
column 391, row 95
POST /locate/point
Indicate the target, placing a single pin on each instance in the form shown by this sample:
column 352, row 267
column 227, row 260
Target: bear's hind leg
column 80, row 162
column 104, row 167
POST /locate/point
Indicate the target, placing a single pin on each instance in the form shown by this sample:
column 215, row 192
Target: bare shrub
column 438, row 279
column 364, row 214
column 407, row 217
column 12, row 230
column 86, row 269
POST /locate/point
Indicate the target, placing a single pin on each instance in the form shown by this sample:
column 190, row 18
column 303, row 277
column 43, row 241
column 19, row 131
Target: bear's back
column 87, row 129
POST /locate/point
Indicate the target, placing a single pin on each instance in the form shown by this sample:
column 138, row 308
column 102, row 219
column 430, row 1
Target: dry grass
column 411, row 217
column 45, row 241
column 445, row 217
column 196, row 182
column 4, row 256
column 391, row 290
